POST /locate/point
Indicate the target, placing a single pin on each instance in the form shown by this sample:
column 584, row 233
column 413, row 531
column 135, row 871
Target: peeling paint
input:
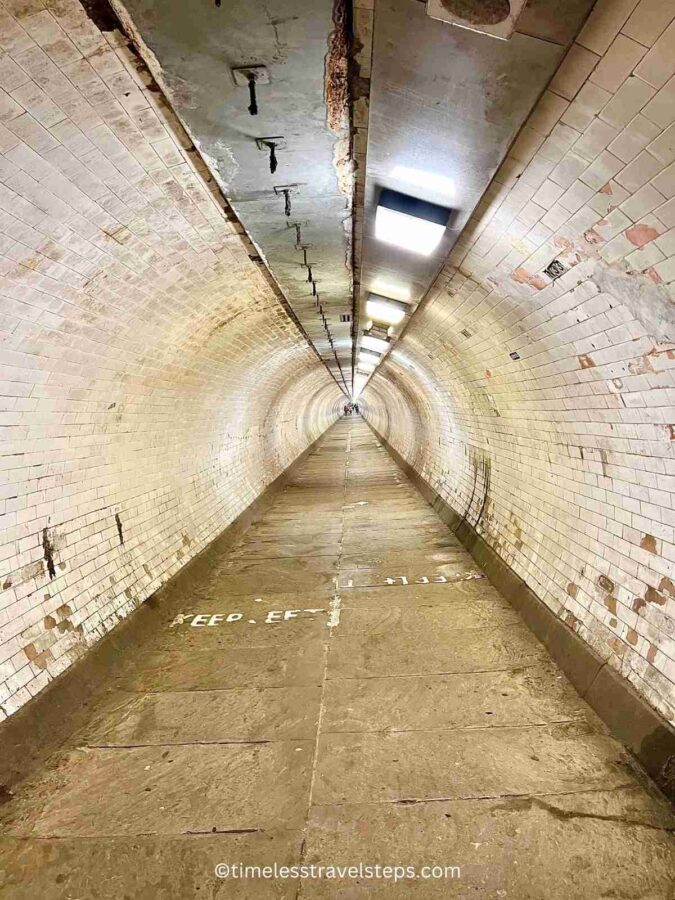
column 641, row 234
column 648, row 543
column 653, row 596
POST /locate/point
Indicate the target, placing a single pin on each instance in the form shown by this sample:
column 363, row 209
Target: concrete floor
column 406, row 718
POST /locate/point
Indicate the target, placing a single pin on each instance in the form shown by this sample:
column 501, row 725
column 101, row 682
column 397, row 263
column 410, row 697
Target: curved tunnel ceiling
column 436, row 105
column 445, row 104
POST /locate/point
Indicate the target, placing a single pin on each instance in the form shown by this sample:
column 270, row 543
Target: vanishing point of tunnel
column 337, row 461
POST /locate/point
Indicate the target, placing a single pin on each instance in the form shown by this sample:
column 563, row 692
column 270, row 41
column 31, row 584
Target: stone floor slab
column 533, row 696
column 467, row 763
column 420, row 652
column 596, row 844
column 175, row 789
column 248, row 714
column 150, row 867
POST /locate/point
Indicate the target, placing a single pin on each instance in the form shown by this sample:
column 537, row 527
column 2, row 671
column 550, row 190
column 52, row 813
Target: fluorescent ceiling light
column 374, row 343
column 409, row 223
column 440, row 184
column 382, row 309
column 390, row 289
column 407, row 232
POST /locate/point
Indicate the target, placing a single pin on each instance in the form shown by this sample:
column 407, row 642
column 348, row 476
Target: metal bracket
column 281, row 189
column 263, row 143
column 243, row 74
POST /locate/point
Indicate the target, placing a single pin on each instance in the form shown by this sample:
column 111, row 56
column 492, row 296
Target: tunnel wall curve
column 534, row 389
column 154, row 384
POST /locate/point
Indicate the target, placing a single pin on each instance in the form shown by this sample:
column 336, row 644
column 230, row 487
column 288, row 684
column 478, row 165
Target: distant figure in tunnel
column 355, row 407
column 347, row 409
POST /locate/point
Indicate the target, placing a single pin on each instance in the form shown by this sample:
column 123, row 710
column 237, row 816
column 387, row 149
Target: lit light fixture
column 392, row 289
column 375, row 343
column 410, row 223
column 429, row 181
column 383, row 309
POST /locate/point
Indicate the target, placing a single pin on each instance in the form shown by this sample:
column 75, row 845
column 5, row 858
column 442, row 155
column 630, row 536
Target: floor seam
column 333, row 622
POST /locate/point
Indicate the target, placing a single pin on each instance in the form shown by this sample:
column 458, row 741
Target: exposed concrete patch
column 224, row 163
column 649, row 303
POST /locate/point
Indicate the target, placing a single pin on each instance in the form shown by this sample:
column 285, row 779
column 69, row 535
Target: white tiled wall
column 147, row 369
column 563, row 458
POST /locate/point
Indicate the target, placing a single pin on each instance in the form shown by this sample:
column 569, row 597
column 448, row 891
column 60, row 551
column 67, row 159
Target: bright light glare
column 369, row 356
column 382, row 311
column 366, row 366
column 374, row 343
column 425, row 180
column 410, row 232
column 359, row 383
column 390, row 289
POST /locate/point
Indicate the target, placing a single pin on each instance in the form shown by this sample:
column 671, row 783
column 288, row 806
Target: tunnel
column 337, row 529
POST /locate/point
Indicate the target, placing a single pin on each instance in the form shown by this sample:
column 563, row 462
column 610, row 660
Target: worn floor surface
column 342, row 688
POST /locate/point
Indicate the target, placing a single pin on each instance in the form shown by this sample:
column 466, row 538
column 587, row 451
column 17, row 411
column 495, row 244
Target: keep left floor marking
column 207, row 620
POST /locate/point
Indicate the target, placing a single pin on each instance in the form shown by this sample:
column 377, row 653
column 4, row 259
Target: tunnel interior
column 436, row 629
